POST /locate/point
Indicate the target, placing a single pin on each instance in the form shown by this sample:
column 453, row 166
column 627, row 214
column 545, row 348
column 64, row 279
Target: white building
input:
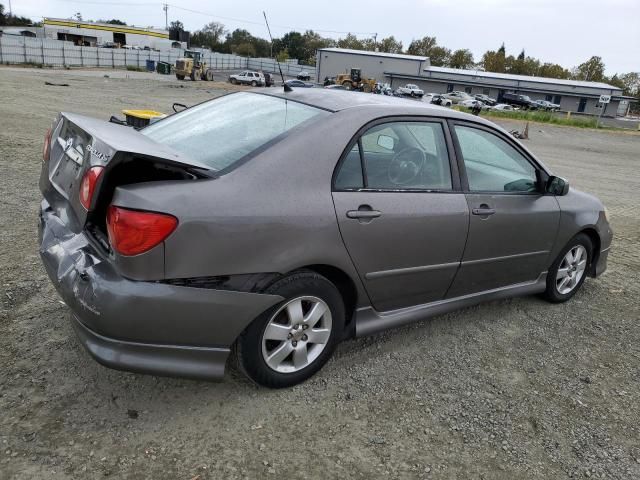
column 397, row 70
column 92, row 34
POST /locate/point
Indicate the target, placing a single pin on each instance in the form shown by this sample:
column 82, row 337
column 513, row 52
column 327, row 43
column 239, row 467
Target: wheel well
column 347, row 289
column 595, row 242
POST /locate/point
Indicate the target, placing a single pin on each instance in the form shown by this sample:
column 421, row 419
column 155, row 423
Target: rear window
column 221, row 132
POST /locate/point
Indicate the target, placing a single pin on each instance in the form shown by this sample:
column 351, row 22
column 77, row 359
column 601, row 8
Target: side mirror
column 557, row 186
column 386, row 142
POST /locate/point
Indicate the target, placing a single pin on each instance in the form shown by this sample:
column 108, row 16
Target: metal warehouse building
column 92, row 34
column 571, row 95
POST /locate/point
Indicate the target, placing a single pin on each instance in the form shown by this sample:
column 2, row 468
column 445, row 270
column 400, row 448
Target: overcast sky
column 567, row 32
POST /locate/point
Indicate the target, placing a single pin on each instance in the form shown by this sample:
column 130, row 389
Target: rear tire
column 569, row 270
column 291, row 341
column 254, row 83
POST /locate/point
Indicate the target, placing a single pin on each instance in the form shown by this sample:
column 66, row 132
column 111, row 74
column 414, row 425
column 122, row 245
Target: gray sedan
column 278, row 224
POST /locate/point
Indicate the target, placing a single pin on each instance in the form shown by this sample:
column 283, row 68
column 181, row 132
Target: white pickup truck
column 411, row 89
column 248, row 78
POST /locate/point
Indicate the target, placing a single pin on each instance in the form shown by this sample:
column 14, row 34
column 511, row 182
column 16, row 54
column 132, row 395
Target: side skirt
column 369, row 321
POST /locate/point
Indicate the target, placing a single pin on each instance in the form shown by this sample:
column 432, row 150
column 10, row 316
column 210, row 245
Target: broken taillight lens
column 88, row 185
column 132, row 232
column 46, row 149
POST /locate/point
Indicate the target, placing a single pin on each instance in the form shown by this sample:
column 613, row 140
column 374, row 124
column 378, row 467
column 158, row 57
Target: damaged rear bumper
column 146, row 327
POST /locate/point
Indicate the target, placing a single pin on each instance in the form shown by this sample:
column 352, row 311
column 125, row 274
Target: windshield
column 221, row 132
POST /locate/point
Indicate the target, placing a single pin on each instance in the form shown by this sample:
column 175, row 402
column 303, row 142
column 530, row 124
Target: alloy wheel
column 296, row 334
column 571, row 269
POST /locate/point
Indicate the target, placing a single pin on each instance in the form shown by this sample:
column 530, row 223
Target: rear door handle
column 483, row 211
column 363, row 214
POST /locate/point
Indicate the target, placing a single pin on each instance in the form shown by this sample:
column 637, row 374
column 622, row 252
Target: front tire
column 254, row 83
column 569, row 270
column 290, row 342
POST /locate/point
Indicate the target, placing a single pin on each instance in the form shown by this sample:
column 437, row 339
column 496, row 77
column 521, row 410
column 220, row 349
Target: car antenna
column 287, row 88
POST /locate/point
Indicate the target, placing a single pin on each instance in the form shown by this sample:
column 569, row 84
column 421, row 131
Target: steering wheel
column 405, row 165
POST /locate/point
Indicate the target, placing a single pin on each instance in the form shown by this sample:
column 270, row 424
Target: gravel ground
column 509, row 389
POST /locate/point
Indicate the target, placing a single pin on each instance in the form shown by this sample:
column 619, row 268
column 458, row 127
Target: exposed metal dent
column 410, row 270
column 133, row 311
column 368, row 321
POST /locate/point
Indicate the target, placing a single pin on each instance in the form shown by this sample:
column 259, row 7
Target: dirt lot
column 510, row 389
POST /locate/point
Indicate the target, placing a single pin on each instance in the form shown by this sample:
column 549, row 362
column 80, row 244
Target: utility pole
column 10, row 14
column 375, row 42
column 165, row 7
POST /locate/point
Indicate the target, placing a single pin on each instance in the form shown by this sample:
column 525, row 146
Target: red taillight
column 46, row 149
column 88, row 185
column 132, row 232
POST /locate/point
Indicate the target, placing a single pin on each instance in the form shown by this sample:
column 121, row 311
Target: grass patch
column 133, row 68
column 543, row 117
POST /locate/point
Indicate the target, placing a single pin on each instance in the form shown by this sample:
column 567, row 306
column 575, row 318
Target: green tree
column 350, row 41
column 210, row 36
column 12, row 20
column 244, row 49
column 176, row 25
column 294, row 43
column 592, row 70
column 553, row 70
column 461, row 58
column 493, row 61
column 390, row 45
column 439, row 56
column 422, row 46
column 113, row 21
column 312, row 42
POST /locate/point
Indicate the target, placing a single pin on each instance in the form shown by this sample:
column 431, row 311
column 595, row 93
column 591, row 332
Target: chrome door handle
column 483, row 211
column 363, row 214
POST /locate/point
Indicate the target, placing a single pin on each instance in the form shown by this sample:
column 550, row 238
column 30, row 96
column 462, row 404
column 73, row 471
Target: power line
column 208, row 14
column 200, row 12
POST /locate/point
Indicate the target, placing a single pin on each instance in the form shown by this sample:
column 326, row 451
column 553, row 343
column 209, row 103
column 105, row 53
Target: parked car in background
column 546, row 105
column 522, row 101
column 383, row 89
column 503, row 106
column 486, row 99
column 298, row 84
column 304, row 75
column 438, row 99
column 335, row 87
column 329, row 81
column 254, row 79
column 411, row 89
column 277, row 224
column 473, row 103
column 457, row 97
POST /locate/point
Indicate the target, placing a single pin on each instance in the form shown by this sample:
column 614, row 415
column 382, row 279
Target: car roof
column 336, row 100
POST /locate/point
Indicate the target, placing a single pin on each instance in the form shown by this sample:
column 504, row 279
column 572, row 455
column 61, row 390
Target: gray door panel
column 507, row 245
column 406, row 246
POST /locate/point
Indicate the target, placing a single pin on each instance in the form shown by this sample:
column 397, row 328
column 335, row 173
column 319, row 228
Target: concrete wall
column 330, row 64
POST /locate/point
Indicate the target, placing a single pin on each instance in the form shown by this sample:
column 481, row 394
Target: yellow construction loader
column 354, row 81
column 192, row 66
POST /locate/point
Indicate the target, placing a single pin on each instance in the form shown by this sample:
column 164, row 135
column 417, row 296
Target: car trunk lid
column 79, row 143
